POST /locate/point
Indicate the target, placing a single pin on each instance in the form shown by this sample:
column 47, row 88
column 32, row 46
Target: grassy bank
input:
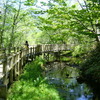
column 32, row 85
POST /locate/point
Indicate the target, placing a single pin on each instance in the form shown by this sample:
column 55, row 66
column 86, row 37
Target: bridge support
column 46, row 56
column 57, row 55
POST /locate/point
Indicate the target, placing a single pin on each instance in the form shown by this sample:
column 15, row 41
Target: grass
column 32, row 85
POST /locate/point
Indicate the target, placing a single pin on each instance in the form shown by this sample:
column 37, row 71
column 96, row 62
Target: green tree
column 68, row 21
column 15, row 22
column 3, row 17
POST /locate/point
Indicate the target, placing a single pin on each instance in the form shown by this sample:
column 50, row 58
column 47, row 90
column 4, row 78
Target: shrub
column 91, row 67
column 90, row 71
column 32, row 85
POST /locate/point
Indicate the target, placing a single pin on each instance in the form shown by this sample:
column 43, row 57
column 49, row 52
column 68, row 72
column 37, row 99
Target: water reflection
column 64, row 78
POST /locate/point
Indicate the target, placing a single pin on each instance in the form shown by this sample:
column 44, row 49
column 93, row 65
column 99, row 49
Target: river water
column 64, row 77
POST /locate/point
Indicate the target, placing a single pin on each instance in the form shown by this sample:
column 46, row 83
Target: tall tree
column 80, row 21
column 13, row 19
column 3, row 22
column 14, row 23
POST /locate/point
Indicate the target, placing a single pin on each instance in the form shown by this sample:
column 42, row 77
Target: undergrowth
column 90, row 70
column 32, row 85
column 91, row 66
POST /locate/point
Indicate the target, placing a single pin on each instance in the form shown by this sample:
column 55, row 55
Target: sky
column 71, row 2
column 75, row 1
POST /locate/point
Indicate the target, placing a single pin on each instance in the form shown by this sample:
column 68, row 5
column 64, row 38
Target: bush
column 90, row 70
column 91, row 67
column 32, row 85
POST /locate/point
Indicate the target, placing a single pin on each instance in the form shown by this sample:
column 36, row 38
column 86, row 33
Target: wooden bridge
column 12, row 61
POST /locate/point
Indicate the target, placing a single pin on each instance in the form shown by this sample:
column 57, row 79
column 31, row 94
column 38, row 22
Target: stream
column 64, row 77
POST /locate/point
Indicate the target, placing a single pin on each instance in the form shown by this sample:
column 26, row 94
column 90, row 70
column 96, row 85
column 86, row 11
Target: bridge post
column 14, row 69
column 3, row 92
column 5, row 68
column 57, row 56
column 3, row 84
column 26, row 55
column 20, row 61
column 11, row 72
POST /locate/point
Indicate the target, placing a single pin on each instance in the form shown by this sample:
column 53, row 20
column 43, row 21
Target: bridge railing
column 53, row 47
